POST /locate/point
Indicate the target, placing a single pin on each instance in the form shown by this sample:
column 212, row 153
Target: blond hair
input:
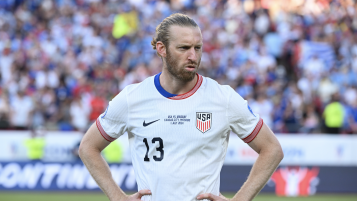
column 162, row 30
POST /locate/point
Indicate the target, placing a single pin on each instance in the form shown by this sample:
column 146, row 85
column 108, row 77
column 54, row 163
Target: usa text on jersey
column 203, row 121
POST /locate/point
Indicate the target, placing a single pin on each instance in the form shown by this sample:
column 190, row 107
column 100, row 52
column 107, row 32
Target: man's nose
column 192, row 55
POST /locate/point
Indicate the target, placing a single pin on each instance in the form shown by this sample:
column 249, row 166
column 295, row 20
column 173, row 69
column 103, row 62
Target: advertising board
column 59, row 176
column 286, row 180
column 313, row 150
column 318, row 150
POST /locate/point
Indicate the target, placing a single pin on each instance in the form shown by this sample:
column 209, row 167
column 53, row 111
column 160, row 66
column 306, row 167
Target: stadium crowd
column 295, row 61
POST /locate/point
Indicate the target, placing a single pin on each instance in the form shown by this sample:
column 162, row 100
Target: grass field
column 70, row 196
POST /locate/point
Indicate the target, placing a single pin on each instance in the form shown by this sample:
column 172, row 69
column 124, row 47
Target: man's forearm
column 100, row 171
column 262, row 169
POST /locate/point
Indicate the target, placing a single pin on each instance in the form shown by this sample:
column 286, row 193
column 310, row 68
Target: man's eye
column 197, row 48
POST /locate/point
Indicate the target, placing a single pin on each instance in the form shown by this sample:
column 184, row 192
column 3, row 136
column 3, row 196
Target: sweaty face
column 183, row 56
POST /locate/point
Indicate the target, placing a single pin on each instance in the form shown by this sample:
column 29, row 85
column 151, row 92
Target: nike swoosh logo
column 146, row 124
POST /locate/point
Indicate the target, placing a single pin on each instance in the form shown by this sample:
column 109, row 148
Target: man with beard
column 178, row 123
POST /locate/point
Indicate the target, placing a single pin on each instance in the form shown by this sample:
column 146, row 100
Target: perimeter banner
column 59, row 176
column 292, row 181
column 285, row 181
column 299, row 149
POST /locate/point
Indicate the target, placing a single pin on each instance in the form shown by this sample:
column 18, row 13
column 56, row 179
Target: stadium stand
column 62, row 60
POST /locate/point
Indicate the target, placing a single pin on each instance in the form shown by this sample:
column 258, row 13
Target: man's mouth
column 190, row 67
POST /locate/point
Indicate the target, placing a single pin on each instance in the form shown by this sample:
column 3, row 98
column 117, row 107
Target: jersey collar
column 168, row 95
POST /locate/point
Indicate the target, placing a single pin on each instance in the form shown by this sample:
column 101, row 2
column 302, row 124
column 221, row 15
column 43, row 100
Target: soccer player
column 178, row 124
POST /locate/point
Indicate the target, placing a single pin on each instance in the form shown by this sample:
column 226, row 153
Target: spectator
column 97, row 105
column 21, row 111
column 333, row 115
column 326, row 89
column 262, row 23
column 6, row 61
column 310, row 122
column 35, row 146
column 264, row 108
column 352, row 117
column 79, row 114
column 265, row 61
column 246, row 89
column 4, row 111
column 273, row 42
column 350, row 95
column 64, row 116
column 314, row 67
column 38, row 119
column 290, row 119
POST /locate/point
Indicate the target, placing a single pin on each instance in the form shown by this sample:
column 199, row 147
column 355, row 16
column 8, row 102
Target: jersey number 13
column 160, row 149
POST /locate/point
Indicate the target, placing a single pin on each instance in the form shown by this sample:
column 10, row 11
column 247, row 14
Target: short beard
column 176, row 71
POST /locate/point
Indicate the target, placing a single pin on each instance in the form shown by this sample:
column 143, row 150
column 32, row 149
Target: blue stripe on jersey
column 105, row 113
column 251, row 111
column 160, row 89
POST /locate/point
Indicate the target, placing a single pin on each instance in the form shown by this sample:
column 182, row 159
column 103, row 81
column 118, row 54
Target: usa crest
column 203, row 121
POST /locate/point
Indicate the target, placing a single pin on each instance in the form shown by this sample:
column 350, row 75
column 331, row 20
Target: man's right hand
column 137, row 196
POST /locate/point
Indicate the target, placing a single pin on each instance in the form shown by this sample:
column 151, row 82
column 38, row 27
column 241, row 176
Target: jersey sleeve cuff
column 102, row 132
column 255, row 132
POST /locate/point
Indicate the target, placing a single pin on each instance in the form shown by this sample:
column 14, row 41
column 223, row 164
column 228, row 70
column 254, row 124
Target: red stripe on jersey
column 191, row 92
column 255, row 132
column 102, row 132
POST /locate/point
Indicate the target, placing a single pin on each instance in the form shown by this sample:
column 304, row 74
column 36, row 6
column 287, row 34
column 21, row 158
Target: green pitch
column 71, row 196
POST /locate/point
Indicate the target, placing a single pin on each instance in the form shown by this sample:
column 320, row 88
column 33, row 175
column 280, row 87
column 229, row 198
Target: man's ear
column 161, row 49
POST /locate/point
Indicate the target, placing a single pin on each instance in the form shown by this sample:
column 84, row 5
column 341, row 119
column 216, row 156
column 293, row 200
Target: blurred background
column 295, row 61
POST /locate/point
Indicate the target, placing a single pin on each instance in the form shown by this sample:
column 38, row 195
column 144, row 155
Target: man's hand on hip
column 137, row 196
column 212, row 197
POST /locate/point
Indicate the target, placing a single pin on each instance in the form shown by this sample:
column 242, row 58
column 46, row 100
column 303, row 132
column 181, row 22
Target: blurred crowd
column 295, row 61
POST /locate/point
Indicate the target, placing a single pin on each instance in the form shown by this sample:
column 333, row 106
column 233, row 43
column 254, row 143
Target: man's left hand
column 212, row 197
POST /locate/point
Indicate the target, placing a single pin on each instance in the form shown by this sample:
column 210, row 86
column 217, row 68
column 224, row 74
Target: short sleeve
column 113, row 122
column 242, row 120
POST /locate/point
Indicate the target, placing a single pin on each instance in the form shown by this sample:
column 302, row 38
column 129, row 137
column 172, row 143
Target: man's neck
column 175, row 86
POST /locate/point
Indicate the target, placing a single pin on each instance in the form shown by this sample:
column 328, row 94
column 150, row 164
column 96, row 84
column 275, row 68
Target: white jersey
column 178, row 142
